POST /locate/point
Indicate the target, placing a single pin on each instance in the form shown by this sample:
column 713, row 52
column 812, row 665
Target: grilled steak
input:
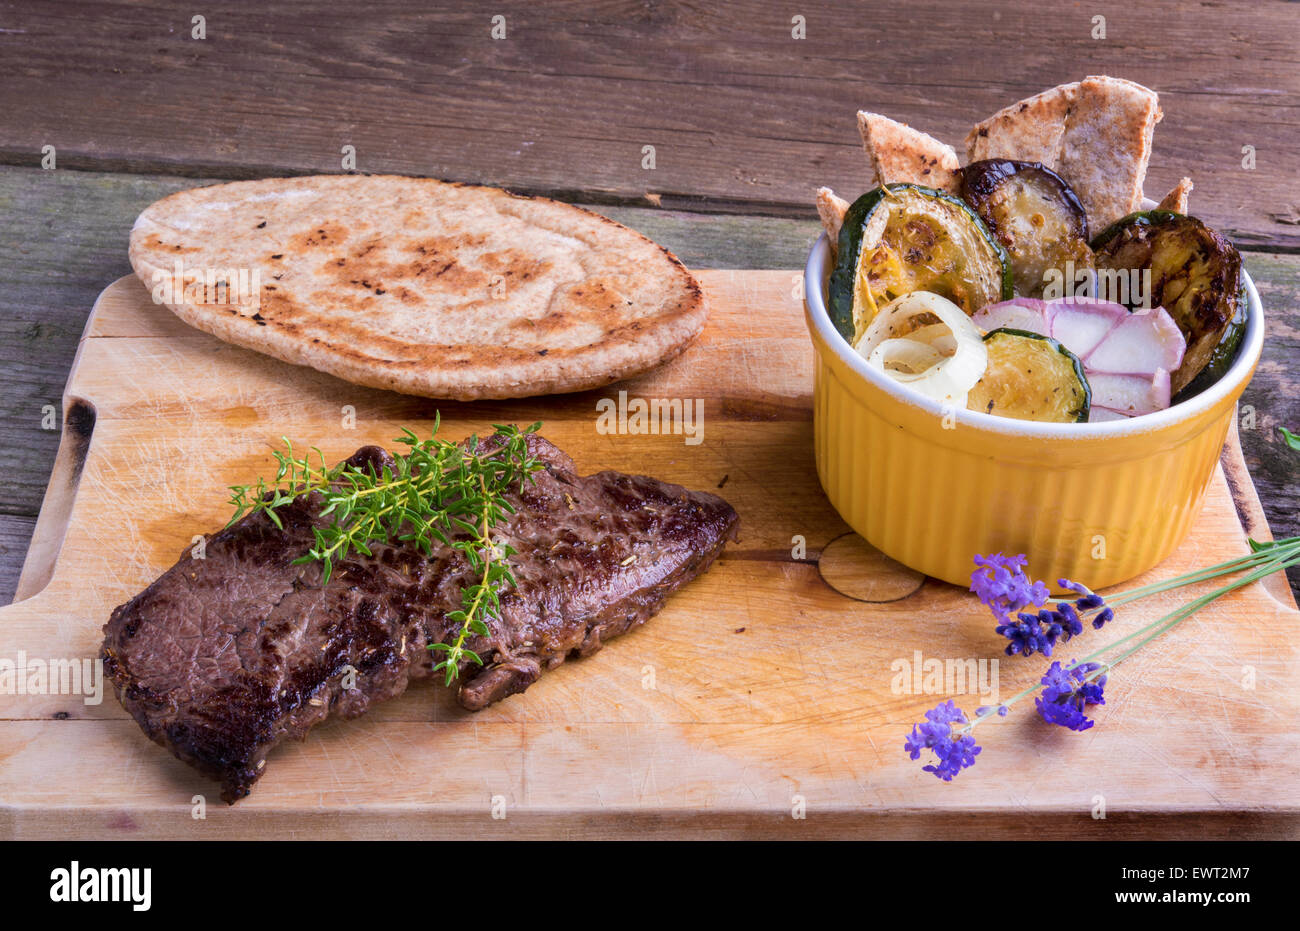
column 223, row 657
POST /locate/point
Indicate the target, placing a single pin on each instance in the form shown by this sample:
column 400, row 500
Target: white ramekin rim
column 815, row 283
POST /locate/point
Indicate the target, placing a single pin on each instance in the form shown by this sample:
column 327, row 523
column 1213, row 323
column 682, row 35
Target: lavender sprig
column 1002, row 585
column 1065, row 693
column 952, row 753
column 1038, row 633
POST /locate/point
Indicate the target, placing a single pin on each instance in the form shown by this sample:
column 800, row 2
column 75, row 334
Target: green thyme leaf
column 436, row 491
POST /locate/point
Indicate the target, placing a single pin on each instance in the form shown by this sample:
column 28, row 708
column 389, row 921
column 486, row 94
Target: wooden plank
column 766, row 685
column 1272, row 399
column 744, row 781
column 63, row 234
column 742, row 115
column 84, row 217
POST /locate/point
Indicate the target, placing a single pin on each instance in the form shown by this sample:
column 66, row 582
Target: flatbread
column 1176, row 200
column 1096, row 133
column 1108, row 147
column 1031, row 130
column 423, row 287
column 831, row 209
column 899, row 153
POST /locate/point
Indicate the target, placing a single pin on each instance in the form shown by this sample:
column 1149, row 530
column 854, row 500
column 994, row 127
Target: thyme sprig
column 436, row 493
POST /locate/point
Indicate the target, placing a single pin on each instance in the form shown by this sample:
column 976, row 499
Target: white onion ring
column 914, row 355
column 951, row 377
column 937, row 335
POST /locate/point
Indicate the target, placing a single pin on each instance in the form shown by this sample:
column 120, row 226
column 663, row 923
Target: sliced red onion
column 1019, row 313
column 1141, row 344
column 1098, row 414
column 1081, row 324
column 1130, row 394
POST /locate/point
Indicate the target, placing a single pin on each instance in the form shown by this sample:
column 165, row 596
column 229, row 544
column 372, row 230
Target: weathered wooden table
column 706, row 127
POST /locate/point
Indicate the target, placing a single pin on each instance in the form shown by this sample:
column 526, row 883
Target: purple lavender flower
column 985, row 710
column 1067, row 693
column 1027, row 635
column 952, row 754
column 1038, row 633
column 1002, row 585
column 1088, row 600
column 1068, row 619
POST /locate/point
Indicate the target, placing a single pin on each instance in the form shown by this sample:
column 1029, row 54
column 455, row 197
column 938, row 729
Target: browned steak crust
column 223, row 657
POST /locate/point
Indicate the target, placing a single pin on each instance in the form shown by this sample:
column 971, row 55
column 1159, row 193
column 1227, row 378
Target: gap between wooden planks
column 769, row 686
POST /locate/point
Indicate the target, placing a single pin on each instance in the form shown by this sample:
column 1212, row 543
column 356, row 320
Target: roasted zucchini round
column 1194, row 274
column 1224, row 354
column 1031, row 377
column 1035, row 216
column 903, row 238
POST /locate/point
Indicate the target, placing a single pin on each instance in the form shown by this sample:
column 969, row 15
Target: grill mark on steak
column 223, row 657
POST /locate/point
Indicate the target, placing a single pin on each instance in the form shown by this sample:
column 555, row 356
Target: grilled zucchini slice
column 1224, row 354
column 903, row 238
column 1031, row 377
column 1034, row 214
column 1195, row 276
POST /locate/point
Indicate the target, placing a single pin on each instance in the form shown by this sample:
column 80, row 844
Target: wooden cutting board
column 762, row 702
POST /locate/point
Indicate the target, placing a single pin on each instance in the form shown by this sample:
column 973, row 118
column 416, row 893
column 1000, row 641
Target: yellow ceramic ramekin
column 1098, row 503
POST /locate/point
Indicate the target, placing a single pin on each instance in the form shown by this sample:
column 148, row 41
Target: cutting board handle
column 60, row 494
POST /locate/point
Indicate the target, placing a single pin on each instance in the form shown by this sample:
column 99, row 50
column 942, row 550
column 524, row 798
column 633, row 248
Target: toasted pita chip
column 1176, row 200
column 831, row 209
column 1096, row 133
column 1028, row 131
column 1108, row 146
column 900, row 153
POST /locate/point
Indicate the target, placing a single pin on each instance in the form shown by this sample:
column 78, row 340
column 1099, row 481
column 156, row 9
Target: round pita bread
column 420, row 286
